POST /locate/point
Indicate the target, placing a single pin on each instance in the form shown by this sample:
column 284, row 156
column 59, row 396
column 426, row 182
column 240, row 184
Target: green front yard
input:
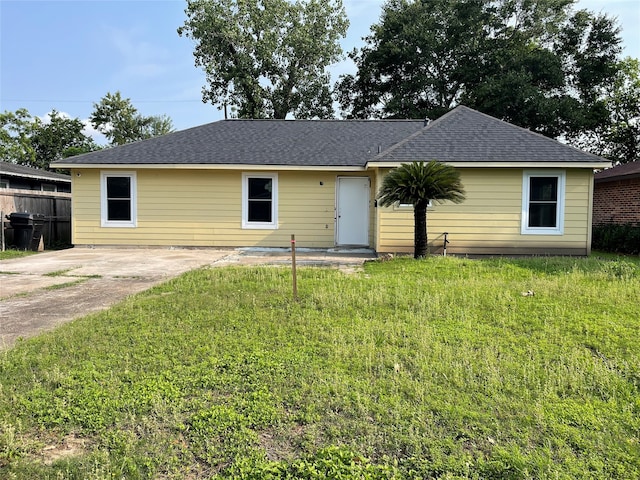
column 442, row 368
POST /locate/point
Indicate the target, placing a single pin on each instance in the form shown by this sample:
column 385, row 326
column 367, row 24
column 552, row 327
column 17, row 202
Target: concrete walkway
column 40, row 292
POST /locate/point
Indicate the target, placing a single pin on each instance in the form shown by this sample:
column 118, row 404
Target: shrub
column 617, row 238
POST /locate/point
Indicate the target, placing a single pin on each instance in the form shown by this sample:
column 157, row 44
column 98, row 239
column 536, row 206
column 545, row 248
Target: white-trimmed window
column 543, row 202
column 48, row 187
column 260, row 200
column 118, row 199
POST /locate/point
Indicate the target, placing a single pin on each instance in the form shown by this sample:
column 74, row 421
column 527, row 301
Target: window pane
column 259, row 211
column 542, row 215
column 118, row 187
column 119, row 210
column 543, row 189
column 260, row 188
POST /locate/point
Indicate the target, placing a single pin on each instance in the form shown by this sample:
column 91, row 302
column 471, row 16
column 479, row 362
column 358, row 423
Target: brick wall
column 616, row 201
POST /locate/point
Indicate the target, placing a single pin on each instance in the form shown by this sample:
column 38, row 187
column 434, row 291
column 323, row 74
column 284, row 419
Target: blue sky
column 66, row 55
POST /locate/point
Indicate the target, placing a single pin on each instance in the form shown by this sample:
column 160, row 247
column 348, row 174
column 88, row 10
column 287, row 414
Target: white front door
column 352, row 211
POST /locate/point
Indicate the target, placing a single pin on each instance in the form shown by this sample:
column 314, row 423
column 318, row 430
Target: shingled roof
column 462, row 135
column 624, row 171
column 13, row 170
column 317, row 143
column 466, row 135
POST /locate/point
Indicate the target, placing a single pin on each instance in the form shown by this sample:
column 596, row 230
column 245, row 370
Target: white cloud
column 355, row 8
column 135, row 56
column 88, row 129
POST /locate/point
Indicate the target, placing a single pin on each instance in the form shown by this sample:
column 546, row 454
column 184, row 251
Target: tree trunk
column 420, row 248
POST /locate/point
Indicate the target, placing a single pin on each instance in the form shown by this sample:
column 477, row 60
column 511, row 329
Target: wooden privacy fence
column 56, row 208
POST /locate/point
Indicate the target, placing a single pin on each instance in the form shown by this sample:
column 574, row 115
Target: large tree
column 59, row 137
column 16, row 129
column 36, row 142
column 118, row 120
column 417, row 184
column 537, row 64
column 267, row 58
column 618, row 139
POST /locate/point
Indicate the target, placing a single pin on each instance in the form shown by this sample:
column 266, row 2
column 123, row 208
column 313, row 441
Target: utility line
column 93, row 101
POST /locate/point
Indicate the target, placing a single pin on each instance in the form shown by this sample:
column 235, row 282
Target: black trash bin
column 27, row 230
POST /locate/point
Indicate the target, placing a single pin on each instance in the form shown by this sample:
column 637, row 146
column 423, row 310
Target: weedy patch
column 58, row 273
column 67, row 447
column 59, row 286
column 63, row 273
column 439, row 368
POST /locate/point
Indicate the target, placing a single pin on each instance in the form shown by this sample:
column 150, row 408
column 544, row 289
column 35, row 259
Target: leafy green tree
column 16, row 129
column 419, row 183
column 156, row 125
column 618, row 139
column 30, row 141
column 537, row 63
column 59, row 138
column 118, row 120
column 267, row 58
column 623, row 134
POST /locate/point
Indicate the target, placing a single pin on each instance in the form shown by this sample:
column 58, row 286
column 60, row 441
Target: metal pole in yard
column 2, row 228
column 293, row 267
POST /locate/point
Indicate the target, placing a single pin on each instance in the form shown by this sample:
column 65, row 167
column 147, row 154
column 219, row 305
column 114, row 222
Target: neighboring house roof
column 462, row 135
column 466, row 135
column 13, row 170
column 339, row 143
column 619, row 172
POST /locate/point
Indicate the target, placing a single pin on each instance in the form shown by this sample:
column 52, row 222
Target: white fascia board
column 593, row 165
column 134, row 166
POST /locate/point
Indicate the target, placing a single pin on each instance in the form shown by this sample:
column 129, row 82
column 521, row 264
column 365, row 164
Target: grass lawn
column 7, row 254
column 439, row 368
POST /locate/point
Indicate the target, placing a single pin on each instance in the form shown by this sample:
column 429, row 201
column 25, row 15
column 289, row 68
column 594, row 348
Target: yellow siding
column 489, row 221
column 204, row 208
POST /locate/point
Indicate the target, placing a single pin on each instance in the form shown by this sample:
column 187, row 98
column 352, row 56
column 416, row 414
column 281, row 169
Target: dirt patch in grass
column 279, row 446
column 66, row 447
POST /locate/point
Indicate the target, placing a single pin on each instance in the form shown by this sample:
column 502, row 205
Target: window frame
column 558, row 229
column 246, row 224
column 104, row 204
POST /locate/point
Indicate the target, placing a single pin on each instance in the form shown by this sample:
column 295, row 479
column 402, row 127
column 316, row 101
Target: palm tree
column 418, row 183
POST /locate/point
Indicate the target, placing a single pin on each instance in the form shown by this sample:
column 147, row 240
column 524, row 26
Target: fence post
column 293, row 267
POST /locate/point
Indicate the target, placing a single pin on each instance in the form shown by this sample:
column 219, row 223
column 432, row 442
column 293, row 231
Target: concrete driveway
column 40, row 292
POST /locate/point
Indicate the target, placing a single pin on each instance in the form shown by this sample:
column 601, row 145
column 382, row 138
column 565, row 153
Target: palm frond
column 420, row 182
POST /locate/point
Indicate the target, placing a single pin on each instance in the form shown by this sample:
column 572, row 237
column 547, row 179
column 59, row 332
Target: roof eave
column 523, row 164
column 36, row 177
column 202, row 166
column 617, row 178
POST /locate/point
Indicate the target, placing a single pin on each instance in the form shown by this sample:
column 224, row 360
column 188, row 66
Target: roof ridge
column 327, row 120
column 418, row 133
